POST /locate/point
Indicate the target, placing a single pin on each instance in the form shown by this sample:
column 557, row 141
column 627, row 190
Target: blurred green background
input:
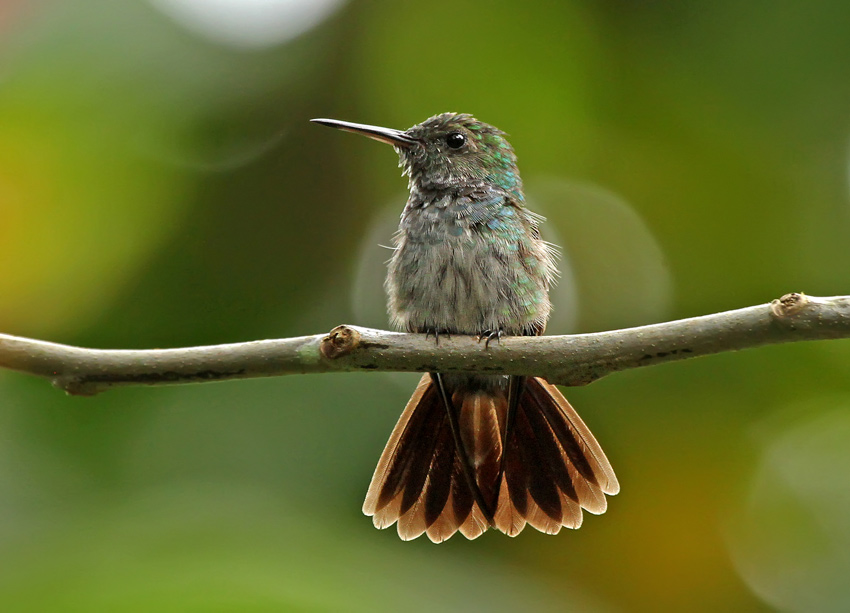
column 160, row 186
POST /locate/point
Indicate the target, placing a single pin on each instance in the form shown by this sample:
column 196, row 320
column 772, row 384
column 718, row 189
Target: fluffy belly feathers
column 469, row 284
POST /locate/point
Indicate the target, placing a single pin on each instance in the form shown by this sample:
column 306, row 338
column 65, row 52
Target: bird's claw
column 490, row 335
column 436, row 333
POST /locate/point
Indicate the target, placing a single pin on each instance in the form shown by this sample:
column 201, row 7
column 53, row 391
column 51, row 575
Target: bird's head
column 446, row 151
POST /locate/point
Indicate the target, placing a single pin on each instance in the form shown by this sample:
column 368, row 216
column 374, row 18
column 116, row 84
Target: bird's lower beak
column 397, row 138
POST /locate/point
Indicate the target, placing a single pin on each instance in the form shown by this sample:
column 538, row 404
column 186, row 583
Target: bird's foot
column 436, row 333
column 491, row 335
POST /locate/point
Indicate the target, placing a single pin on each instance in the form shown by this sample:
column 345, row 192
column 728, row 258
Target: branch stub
column 789, row 305
column 339, row 342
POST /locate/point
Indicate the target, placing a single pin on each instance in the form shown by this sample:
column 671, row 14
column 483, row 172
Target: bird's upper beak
column 397, row 138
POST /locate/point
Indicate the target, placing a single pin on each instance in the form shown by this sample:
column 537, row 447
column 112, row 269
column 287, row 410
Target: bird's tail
column 542, row 472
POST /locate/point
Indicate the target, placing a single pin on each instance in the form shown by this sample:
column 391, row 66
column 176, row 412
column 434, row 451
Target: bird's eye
column 455, row 140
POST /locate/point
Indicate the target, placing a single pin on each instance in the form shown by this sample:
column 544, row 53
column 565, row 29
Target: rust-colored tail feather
column 550, row 469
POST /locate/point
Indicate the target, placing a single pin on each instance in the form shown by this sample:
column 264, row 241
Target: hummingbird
column 472, row 452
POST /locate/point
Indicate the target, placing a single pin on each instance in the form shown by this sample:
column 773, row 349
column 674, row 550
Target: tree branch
column 567, row 360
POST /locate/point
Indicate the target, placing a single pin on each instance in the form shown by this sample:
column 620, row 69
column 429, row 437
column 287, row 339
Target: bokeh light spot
column 791, row 542
column 621, row 273
column 248, row 23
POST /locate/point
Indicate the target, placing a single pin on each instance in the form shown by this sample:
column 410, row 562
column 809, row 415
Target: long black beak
column 397, row 138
